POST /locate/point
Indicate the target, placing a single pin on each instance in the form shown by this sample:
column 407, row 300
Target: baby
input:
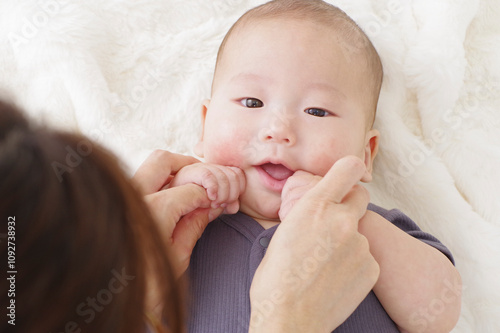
column 295, row 89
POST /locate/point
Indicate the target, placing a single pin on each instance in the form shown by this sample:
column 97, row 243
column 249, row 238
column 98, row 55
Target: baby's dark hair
column 354, row 42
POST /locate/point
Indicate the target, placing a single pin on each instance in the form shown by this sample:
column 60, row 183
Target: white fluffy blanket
column 132, row 74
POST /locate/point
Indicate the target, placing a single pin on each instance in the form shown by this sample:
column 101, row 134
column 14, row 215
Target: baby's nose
column 278, row 131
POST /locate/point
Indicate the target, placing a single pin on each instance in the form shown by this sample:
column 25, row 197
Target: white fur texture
column 132, row 75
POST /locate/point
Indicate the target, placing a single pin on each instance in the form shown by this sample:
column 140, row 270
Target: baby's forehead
column 320, row 38
column 352, row 41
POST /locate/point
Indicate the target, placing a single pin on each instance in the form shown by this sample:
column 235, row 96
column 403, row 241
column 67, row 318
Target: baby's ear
column 371, row 149
column 199, row 147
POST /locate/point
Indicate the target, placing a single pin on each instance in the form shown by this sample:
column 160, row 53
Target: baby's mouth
column 277, row 171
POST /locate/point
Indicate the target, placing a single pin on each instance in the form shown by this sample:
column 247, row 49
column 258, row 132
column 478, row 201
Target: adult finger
column 190, row 228
column 340, row 179
column 155, row 171
column 354, row 204
column 168, row 206
column 357, row 197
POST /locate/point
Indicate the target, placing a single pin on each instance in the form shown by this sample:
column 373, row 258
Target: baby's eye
column 252, row 103
column 316, row 112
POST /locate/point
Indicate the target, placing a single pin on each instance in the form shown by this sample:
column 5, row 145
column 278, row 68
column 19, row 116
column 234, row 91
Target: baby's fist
column 295, row 187
column 223, row 184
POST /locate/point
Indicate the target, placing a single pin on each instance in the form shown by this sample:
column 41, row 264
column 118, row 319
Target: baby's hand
column 295, row 187
column 224, row 185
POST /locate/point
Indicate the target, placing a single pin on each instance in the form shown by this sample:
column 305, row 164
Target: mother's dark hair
column 85, row 243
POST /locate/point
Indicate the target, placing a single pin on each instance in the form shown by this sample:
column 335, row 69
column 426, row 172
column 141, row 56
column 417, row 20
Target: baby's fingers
column 215, row 183
column 225, row 185
column 232, row 208
column 210, row 182
column 237, row 183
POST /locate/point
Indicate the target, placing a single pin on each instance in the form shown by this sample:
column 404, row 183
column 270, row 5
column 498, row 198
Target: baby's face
column 286, row 97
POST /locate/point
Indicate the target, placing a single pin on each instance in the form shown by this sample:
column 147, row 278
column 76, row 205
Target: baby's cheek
column 227, row 151
column 223, row 155
column 322, row 163
column 325, row 154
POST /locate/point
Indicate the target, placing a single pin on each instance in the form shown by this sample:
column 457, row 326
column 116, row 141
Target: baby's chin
column 262, row 214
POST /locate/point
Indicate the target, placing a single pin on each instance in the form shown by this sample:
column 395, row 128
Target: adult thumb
column 340, row 179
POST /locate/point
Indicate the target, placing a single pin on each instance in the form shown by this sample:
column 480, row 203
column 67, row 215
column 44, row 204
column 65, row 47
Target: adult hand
column 318, row 267
column 182, row 212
